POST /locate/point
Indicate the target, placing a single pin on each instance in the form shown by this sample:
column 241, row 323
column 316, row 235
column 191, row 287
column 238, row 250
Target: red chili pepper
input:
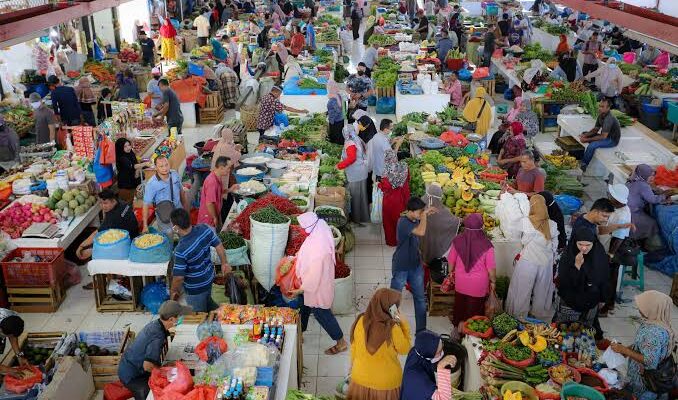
column 241, row 223
column 295, row 240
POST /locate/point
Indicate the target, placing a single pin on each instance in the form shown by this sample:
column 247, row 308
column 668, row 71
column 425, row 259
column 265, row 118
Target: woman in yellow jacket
column 379, row 336
column 479, row 111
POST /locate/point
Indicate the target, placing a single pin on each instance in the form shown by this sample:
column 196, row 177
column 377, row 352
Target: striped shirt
column 192, row 259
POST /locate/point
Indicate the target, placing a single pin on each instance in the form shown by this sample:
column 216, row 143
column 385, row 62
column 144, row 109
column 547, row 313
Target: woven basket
column 248, row 116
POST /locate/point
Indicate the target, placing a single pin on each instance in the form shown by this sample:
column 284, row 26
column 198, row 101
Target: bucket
column 343, row 295
column 629, row 57
column 652, row 120
column 652, row 109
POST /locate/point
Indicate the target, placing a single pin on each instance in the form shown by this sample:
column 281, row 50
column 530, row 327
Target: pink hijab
column 472, row 243
column 315, row 262
column 226, row 147
column 518, row 101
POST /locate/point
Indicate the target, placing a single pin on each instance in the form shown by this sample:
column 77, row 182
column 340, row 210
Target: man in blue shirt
column 158, row 189
column 407, row 266
column 193, row 268
column 145, row 352
column 64, row 102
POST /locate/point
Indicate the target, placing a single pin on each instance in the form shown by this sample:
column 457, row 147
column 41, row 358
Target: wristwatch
column 20, row 354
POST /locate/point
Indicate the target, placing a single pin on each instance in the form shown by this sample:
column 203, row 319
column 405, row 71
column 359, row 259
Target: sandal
column 335, row 350
column 88, row 286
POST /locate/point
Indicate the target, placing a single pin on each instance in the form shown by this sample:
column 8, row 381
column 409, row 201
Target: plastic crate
column 34, row 274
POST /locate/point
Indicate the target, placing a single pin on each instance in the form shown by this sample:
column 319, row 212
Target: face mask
column 36, row 105
column 361, row 73
column 613, row 66
column 180, row 320
column 437, row 358
column 361, row 128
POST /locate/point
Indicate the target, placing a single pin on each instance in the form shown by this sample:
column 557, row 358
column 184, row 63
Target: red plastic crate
column 34, row 274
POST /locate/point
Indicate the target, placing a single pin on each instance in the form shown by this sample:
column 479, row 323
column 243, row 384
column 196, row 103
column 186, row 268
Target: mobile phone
column 393, row 310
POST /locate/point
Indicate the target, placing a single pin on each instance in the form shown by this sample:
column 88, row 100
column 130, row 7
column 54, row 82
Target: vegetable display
column 148, row 240
column 382, row 40
column 516, row 353
column 328, row 35
column 19, row 118
column 478, row 325
column 241, row 223
column 310, row 83
column 270, row 215
column 624, row 120
column 385, row 73
column 231, row 240
column 503, row 324
column 590, row 104
column 534, row 51
column 340, row 73
column 111, row 236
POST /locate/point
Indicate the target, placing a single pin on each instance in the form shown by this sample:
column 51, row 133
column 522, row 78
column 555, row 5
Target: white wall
column 128, row 13
column 16, row 59
column 668, row 7
column 103, row 26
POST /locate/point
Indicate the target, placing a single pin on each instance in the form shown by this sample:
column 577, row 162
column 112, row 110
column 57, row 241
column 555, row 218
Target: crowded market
column 324, row 199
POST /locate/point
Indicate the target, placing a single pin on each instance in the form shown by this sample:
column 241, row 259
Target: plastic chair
column 639, row 280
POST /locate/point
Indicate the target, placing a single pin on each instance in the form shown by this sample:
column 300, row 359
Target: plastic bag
column 286, row 277
column 211, row 348
column 281, row 119
column 116, row 289
column 377, row 200
column 159, row 253
column 202, row 392
column 21, row 385
column 386, row 105
column 235, row 290
column 153, row 295
column 117, row 391
column 612, row 359
column 118, row 250
column 492, row 305
column 164, row 389
column 481, row 72
column 209, row 329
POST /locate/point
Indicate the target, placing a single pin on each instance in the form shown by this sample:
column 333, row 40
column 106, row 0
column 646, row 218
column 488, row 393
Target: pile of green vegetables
column 327, row 147
column 328, row 35
column 478, row 325
column 534, row 51
column 559, row 182
column 294, row 394
column 400, row 128
column 433, row 157
column 270, row 215
column 503, row 324
column 231, row 240
column 416, row 117
column 589, row 103
column 624, row 120
column 310, row 83
column 549, row 356
column 295, row 135
column 340, row 73
column 382, row 40
column 324, row 56
column 417, row 186
column 385, row 73
column 329, row 174
column 554, row 29
column 628, row 68
column 517, row 352
column 450, row 114
column 502, row 283
column 328, row 19
column 565, row 94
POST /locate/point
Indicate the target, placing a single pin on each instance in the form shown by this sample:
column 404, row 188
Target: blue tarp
column 667, row 218
column 291, row 87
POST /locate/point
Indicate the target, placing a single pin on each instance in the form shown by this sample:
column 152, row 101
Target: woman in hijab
column 87, row 100
column 441, row 230
column 356, row 17
column 315, row 268
column 471, row 260
column 654, row 341
column 292, row 69
column 128, row 167
column 532, row 279
column 515, row 110
column 479, row 111
column 556, row 215
column 396, row 188
column 583, row 278
column 563, row 47
column 354, row 163
column 9, row 151
column 514, row 146
column 419, row 375
column 167, row 35
column 568, row 68
column 127, row 86
column 640, row 196
column 335, row 113
column 378, row 337
column 226, row 147
column 528, row 119
column 366, row 128
column 218, row 50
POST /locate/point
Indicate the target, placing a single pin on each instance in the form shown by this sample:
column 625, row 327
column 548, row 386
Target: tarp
column 667, row 218
column 189, row 90
column 291, row 87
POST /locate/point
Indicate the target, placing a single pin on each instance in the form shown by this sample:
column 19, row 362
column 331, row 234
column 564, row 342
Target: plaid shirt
column 229, row 86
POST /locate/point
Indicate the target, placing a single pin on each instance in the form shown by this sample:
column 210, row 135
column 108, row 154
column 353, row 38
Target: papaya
column 466, row 196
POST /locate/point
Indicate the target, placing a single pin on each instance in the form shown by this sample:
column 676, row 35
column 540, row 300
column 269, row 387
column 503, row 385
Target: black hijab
column 370, row 128
column 556, row 215
column 124, row 163
column 569, row 65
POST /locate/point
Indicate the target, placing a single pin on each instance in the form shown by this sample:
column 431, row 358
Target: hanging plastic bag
column 209, row 329
column 612, row 359
column 211, row 348
column 286, row 277
column 31, row 376
column 481, row 72
column 492, row 305
column 202, row 392
column 377, row 201
column 117, row 391
column 164, row 389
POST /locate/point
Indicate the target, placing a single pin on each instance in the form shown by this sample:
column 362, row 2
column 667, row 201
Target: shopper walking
column 354, row 163
column 378, row 337
column 395, row 186
column 164, row 192
column 471, row 260
column 441, row 230
column 531, row 288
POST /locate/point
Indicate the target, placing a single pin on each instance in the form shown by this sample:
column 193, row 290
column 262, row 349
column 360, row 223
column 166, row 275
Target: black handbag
column 439, row 269
column 664, row 378
column 627, row 254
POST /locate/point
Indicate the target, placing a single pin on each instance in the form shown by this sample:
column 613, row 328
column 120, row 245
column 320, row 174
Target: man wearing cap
column 613, row 234
column 271, row 105
column 145, row 352
column 65, row 102
column 147, row 49
column 153, row 88
column 45, row 122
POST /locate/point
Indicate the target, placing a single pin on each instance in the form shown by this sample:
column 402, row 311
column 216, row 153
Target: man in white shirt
column 613, row 234
column 370, row 58
column 202, row 23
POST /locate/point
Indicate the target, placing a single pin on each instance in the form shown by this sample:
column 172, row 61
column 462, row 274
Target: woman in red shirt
column 396, row 188
column 297, row 42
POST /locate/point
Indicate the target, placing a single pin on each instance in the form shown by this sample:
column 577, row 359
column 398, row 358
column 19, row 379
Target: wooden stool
column 439, row 303
column 488, row 84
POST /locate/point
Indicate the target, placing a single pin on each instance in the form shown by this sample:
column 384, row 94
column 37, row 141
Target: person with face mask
column 610, row 80
column 163, row 188
column 45, row 122
column 377, row 147
column 145, row 353
column 641, row 196
column 354, row 163
column 359, row 87
column 193, row 269
column 420, row 380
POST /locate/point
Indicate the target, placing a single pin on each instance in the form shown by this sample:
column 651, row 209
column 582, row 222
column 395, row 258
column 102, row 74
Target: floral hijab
column 395, row 171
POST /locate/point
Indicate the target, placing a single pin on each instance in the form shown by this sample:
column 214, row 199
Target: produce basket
column 518, row 364
column 454, row 64
column 483, row 335
column 522, row 387
column 248, row 116
column 586, row 372
column 546, row 395
column 576, row 376
column 571, row 389
column 329, row 214
column 548, row 363
column 34, row 274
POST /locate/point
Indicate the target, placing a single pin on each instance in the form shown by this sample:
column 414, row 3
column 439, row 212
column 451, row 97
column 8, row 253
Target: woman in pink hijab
column 315, row 268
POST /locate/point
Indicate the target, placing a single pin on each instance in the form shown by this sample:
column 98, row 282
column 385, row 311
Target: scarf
column 370, row 130
column 226, row 147
column 555, row 215
column 84, row 91
column 642, row 173
column 472, row 243
column 419, row 381
column 563, row 47
column 395, row 171
column 655, row 308
column 167, row 31
column 333, row 91
column 511, row 116
column 539, row 215
column 472, row 112
column 569, row 65
column 439, row 230
column 377, row 320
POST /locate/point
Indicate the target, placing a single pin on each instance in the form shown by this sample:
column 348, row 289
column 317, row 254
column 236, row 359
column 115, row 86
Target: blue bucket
column 650, row 109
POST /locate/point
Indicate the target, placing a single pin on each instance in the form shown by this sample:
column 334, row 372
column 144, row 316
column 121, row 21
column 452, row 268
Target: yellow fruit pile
column 111, row 236
column 562, row 161
column 148, row 240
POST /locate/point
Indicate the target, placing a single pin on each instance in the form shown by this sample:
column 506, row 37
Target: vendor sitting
column 606, row 133
column 513, row 148
column 271, row 105
column 117, row 215
column 11, row 327
column 144, row 355
column 530, row 178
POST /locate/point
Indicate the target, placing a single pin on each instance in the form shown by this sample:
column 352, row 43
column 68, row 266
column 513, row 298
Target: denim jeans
column 415, row 277
column 139, row 387
column 591, row 148
column 202, row 302
column 325, row 318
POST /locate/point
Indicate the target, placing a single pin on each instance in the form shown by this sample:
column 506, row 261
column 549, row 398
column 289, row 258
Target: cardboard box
column 72, row 380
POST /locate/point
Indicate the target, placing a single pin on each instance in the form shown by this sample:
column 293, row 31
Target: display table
column 508, row 74
column 429, row 103
column 312, row 103
column 68, row 231
column 287, row 372
column 136, row 272
column 638, row 145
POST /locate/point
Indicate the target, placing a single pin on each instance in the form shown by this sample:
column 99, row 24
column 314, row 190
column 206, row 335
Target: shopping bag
column 163, row 389
column 377, row 201
column 492, row 305
column 117, row 391
column 21, row 385
column 481, row 72
column 448, row 283
column 286, row 277
column 211, row 348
